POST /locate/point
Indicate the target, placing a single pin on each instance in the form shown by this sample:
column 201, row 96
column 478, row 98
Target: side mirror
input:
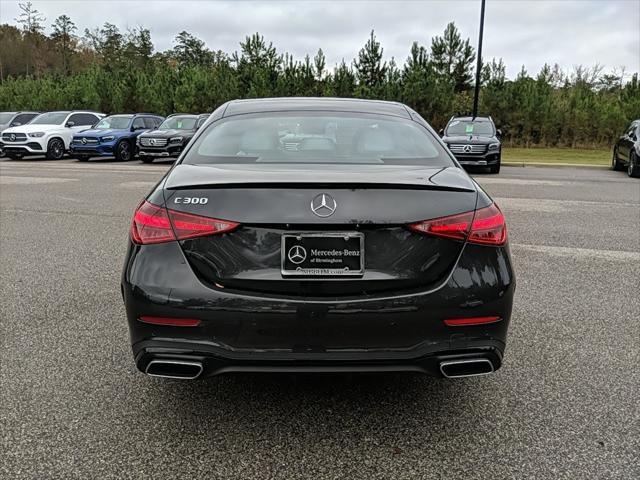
column 499, row 132
column 441, row 132
column 16, row 124
column 70, row 124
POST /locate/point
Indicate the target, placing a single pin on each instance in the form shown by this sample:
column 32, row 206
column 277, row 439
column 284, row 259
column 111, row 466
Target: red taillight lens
column 485, row 226
column 187, row 225
column 461, row 322
column 153, row 224
column 454, row 226
column 489, row 227
column 169, row 321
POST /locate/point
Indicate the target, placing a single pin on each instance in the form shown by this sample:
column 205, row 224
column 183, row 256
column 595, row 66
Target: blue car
column 114, row 135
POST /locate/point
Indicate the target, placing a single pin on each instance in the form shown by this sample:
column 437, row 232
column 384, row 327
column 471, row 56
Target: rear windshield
column 179, row 123
column 320, row 137
column 478, row 127
column 50, row 118
column 113, row 122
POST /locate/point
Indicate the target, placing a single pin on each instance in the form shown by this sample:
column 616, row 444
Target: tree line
column 112, row 71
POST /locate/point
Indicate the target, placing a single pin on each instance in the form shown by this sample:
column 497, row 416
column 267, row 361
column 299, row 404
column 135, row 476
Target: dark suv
column 170, row 138
column 626, row 151
column 474, row 141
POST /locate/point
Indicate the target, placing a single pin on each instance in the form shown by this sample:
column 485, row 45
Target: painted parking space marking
column 137, row 184
column 554, row 206
column 520, row 182
column 580, row 253
column 10, row 180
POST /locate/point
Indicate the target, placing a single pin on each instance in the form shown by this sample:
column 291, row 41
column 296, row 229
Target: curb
column 557, row 165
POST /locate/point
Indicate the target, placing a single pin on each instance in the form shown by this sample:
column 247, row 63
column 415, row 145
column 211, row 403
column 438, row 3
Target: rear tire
column 615, row 163
column 55, row 149
column 146, row 159
column 14, row 156
column 495, row 168
column 123, row 151
column 82, row 158
column 633, row 169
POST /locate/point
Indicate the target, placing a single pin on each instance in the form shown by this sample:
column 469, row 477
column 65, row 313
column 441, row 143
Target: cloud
column 522, row 32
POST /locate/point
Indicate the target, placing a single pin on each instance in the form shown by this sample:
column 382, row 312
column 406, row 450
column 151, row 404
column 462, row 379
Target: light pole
column 479, row 64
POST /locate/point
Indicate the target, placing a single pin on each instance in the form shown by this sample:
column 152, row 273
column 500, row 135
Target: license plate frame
column 319, row 273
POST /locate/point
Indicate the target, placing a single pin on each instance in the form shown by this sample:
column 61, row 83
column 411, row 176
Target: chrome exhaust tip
column 180, row 369
column 466, row 368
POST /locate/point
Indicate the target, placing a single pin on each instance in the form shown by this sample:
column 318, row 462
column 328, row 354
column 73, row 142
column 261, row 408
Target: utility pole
column 479, row 64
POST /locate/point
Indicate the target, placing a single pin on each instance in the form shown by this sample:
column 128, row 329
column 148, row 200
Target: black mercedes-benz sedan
column 317, row 235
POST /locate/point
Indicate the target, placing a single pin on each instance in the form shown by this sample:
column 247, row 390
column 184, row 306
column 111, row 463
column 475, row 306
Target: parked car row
column 87, row 134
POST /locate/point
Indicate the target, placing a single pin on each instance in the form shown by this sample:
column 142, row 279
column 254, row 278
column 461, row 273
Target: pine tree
column 453, row 58
column 31, row 21
column 371, row 70
column 64, row 38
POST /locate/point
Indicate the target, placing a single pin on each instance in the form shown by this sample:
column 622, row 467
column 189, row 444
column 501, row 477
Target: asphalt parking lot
column 564, row 405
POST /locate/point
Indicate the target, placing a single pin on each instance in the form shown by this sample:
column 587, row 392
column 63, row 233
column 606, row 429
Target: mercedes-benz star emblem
column 12, row 137
column 84, row 141
column 152, row 141
column 466, row 149
column 323, row 205
column 297, row 254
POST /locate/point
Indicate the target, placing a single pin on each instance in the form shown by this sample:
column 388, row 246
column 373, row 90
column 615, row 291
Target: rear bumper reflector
column 461, row 322
column 172, row 322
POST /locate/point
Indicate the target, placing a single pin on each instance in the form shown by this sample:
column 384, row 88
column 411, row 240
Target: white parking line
column 137, row 184
column 519, row 181
column 580, row 253
column 554, row 206
column 8, row 180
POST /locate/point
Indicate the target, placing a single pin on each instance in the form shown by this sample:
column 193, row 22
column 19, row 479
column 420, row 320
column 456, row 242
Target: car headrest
column 374, row 140
column 317, row 144
column 258, row 140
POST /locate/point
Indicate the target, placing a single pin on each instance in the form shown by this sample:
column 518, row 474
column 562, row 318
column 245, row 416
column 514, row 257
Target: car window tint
column 138, row 123
column 83, row 119
column 179, row 123
column 149, row 122
column 24, row 118
column 324, row 137
column 468, row 127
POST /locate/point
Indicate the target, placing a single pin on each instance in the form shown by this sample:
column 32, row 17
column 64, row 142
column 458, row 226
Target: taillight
column 466, row 321
column 489, row 227
column 454, row 226
column 187, row 225
column 153, row 224
column 485, row 226
column 169, row 321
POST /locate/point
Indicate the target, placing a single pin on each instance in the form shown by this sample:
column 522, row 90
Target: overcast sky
column 522, row 32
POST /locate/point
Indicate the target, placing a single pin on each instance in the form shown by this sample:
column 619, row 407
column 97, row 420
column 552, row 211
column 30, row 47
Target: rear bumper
column 391, row 332
column 216, row 362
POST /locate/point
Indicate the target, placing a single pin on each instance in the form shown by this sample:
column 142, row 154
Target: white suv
column 49, row 133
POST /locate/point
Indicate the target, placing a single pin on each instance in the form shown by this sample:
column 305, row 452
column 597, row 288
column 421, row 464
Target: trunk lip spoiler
column 312, row 185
